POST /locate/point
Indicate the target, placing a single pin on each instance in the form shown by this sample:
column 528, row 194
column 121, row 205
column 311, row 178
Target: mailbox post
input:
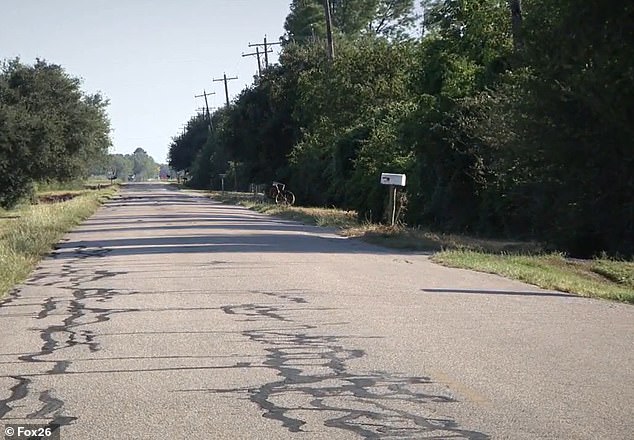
column 222, row 179
column 394, row 181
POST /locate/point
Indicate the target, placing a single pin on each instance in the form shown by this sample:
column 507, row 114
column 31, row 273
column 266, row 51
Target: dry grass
column 325, row 217
column 400, row 237
column 28, row 232
column 421, row 240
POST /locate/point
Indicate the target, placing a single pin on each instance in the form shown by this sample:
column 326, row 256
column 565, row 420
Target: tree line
column 510, row 119
column 138, row 166
column 49, row 128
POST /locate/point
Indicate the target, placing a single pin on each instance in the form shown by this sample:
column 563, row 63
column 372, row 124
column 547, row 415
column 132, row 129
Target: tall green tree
column 390, row 18
column 305, row 22
column 185, row 147
column 510, row 118
column 143, row 166
column 51, row 129
column 568, row 151
column 341, row 107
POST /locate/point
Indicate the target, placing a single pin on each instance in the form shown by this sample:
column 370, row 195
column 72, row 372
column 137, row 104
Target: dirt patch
column 98, row 186
column 56, row 198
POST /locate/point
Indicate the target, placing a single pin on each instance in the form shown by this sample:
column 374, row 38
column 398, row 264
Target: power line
column 266, row 50
column 331, row 44
column 205, row 94
column 257, row 53
column 225, row 79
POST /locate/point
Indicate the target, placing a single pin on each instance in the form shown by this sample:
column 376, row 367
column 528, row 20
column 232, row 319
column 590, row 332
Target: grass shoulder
column 529, row 262
column 28, row 232
column 597, row 278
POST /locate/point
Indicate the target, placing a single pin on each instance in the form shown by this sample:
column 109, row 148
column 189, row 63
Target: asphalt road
column 169, row 316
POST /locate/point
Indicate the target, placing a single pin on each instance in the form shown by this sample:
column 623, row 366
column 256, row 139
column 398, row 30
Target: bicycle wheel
column 290, row 198
column 280, row 198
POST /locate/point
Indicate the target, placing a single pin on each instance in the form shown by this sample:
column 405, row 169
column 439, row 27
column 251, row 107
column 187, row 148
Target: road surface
column 169, row 316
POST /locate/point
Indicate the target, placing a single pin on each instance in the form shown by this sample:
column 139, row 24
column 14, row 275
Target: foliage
column 49, row 128
column 346, row 138
column 143, row 166
column 507, row 124
column 389, row 18
column 138, row 166
column 560, row 126
column 186, row 146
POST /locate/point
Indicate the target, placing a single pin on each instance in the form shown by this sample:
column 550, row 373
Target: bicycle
column 281, row 195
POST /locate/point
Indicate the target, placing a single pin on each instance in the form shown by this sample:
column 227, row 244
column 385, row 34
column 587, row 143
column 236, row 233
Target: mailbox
column 393, row 179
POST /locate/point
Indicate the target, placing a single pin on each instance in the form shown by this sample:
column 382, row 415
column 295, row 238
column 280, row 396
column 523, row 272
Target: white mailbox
column 393, row 179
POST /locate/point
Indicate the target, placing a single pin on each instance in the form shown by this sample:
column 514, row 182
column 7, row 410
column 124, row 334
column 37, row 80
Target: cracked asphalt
column 169, row 316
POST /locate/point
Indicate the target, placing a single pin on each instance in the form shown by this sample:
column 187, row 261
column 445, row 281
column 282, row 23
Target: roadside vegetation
column 508, row 120
column 530, row 262
column 511, row 119
column 28, row 231
column 325, row 217
column 50, row 129
column 598, row 278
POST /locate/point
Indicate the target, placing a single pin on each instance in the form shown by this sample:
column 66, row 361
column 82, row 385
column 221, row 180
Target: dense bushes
column 521, row 131
column 49, row 128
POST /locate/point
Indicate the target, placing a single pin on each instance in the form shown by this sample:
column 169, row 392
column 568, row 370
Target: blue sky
column 149, row 57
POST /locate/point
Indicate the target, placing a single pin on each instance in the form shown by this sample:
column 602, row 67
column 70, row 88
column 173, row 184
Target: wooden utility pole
column 331, row 43
column 225, row 79
column 516, row 22
column 257, row 53
column 266, row 45
column 205, row 94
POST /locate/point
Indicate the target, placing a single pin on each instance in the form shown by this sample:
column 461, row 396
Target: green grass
column 28, row 232
column 619, row 272
column 529, row 262
column 599, row 278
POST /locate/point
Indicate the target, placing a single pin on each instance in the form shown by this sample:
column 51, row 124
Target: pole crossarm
column 226, row 80
column 266, row 45
column 257, row 53
column 205, row 94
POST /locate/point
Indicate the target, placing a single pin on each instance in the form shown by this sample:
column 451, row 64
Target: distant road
column 169, row 316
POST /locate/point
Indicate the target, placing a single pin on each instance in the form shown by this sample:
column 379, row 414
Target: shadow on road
column 500, row 292
column 201, row 225
column 315, row 377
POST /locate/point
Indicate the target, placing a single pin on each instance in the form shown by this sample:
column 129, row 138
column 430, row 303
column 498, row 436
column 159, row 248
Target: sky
column 148, row 57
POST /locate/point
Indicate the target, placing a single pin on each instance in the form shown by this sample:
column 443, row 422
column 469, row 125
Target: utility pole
column 205, row 94
column 516, row 22
column 257, row 53
column 331, row 44
column 266, row 50
column 225, row 79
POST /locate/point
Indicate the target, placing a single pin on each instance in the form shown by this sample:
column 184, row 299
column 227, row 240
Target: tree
column 51, row 129
column 185, row 147
column 305, row 22
column 343, row 105
column 143, row 166
column 510, row 118
column 390, row 18
column 120, row 166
